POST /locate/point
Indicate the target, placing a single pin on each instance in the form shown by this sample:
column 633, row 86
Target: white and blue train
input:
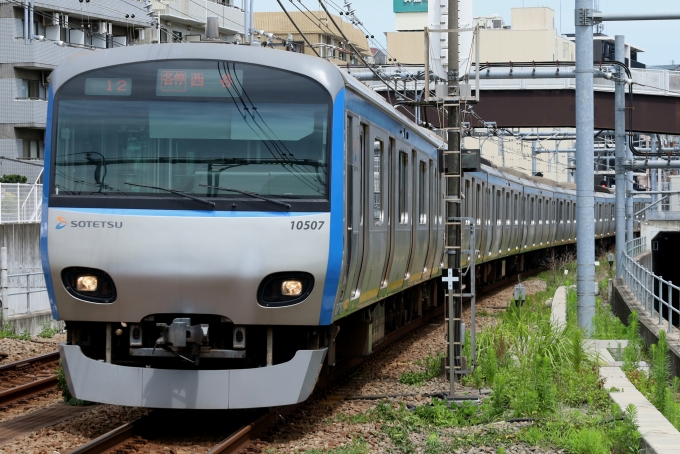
column 222, row 223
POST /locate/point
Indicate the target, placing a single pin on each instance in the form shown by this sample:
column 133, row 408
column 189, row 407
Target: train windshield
column 135, row 133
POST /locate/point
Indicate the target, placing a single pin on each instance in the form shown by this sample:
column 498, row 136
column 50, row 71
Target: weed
column 358, row 446
column 48, row 331
column 433, row 445
column 8, row 332
column 65, row 392
column 433, row 366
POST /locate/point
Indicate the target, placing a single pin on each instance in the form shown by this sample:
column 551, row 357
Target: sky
column 659, row 39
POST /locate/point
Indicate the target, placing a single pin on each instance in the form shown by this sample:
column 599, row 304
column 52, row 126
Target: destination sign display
column 199, row 83
column 104, row 86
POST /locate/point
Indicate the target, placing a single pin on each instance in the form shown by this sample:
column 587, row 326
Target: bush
column 13, row 178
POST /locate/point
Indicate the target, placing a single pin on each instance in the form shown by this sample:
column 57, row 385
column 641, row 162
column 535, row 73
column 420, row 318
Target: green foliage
column 433, row 368
column 8, row 332
column 13, row 178
column 632, row 351
column 63, row 387
column 48, row 331
column 433, row 445
column 606, row 325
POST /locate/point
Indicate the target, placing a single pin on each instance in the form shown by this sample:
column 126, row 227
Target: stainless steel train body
column 222, row 222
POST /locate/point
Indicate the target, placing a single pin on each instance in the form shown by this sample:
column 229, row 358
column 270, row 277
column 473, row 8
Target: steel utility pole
column 453, row 177
column 585, row 120
column 621, row 145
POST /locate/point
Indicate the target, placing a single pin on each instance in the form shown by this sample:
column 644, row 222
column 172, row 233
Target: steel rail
column 41, row 359
column 112, row 439
column 33, row 387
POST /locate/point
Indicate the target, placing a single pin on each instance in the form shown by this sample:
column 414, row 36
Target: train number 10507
column 306, row 225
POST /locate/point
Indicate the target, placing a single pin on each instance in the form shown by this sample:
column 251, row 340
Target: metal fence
column 653, row 292
column 20, row 203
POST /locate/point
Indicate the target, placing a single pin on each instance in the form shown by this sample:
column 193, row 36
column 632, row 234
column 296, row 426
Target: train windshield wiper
column 172, row 191
column 251, row 194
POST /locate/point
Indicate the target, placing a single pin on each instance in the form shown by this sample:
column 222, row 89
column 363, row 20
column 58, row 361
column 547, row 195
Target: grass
column 8, row 332
column 433, row 369
column 48, row 331
column 522, row 358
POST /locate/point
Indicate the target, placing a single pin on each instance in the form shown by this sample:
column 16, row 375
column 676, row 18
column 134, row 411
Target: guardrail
column 20, row 203
column 653, row 292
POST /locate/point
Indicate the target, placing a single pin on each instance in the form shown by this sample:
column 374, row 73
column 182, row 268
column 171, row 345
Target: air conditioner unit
column 99, row 27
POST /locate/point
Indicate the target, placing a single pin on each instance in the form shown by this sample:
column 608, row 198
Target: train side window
column 516, row 213
column 378, row 172
column 403, row 189
column 531, row 211
column 559, row 212
column 422, row 181
column 540, row 211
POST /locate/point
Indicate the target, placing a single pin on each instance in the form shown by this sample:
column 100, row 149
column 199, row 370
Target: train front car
column 186, row 234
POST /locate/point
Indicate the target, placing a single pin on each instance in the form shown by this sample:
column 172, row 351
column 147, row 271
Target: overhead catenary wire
column 297, row 28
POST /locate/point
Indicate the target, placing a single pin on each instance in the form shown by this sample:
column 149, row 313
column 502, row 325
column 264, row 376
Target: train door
column 420, row 232
column 390, row 200
column 376, row 226
column 478, row 214
column 402, row 227
column 559, row 222
column 358, row 208
column 467, row 212
column 531, row 237
column 507, row 223
column 432, row 220
column 497, row 224
column 516, row 243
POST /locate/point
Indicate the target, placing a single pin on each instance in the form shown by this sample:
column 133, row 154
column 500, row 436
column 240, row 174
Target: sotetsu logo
column 88, row 224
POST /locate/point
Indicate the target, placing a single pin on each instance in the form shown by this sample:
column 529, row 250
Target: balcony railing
column 20, row 203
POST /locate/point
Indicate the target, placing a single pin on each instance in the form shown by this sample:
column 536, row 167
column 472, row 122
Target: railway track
column 134, row 435
column 26, row 378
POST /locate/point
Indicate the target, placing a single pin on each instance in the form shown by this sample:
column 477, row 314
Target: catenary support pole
column 585, row 212
column 533, row 158
column 252, row 23
column 453, row 174
column 246, row 17
column 621, row 146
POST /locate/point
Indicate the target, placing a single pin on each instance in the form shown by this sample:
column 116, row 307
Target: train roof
column 324, row 72
column 327, row 74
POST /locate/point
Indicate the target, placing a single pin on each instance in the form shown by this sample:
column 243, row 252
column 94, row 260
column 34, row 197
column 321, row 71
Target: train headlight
column 89, row 284
column 86, row 283
column 291, row 288
column 285, row 289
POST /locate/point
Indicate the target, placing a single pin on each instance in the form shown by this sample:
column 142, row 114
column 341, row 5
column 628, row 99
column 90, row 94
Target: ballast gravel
column 324, row 423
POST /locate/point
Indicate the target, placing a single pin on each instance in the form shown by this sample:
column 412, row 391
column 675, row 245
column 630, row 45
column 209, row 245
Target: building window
column 32, row 89
column 33, row 149
column 176, row 37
